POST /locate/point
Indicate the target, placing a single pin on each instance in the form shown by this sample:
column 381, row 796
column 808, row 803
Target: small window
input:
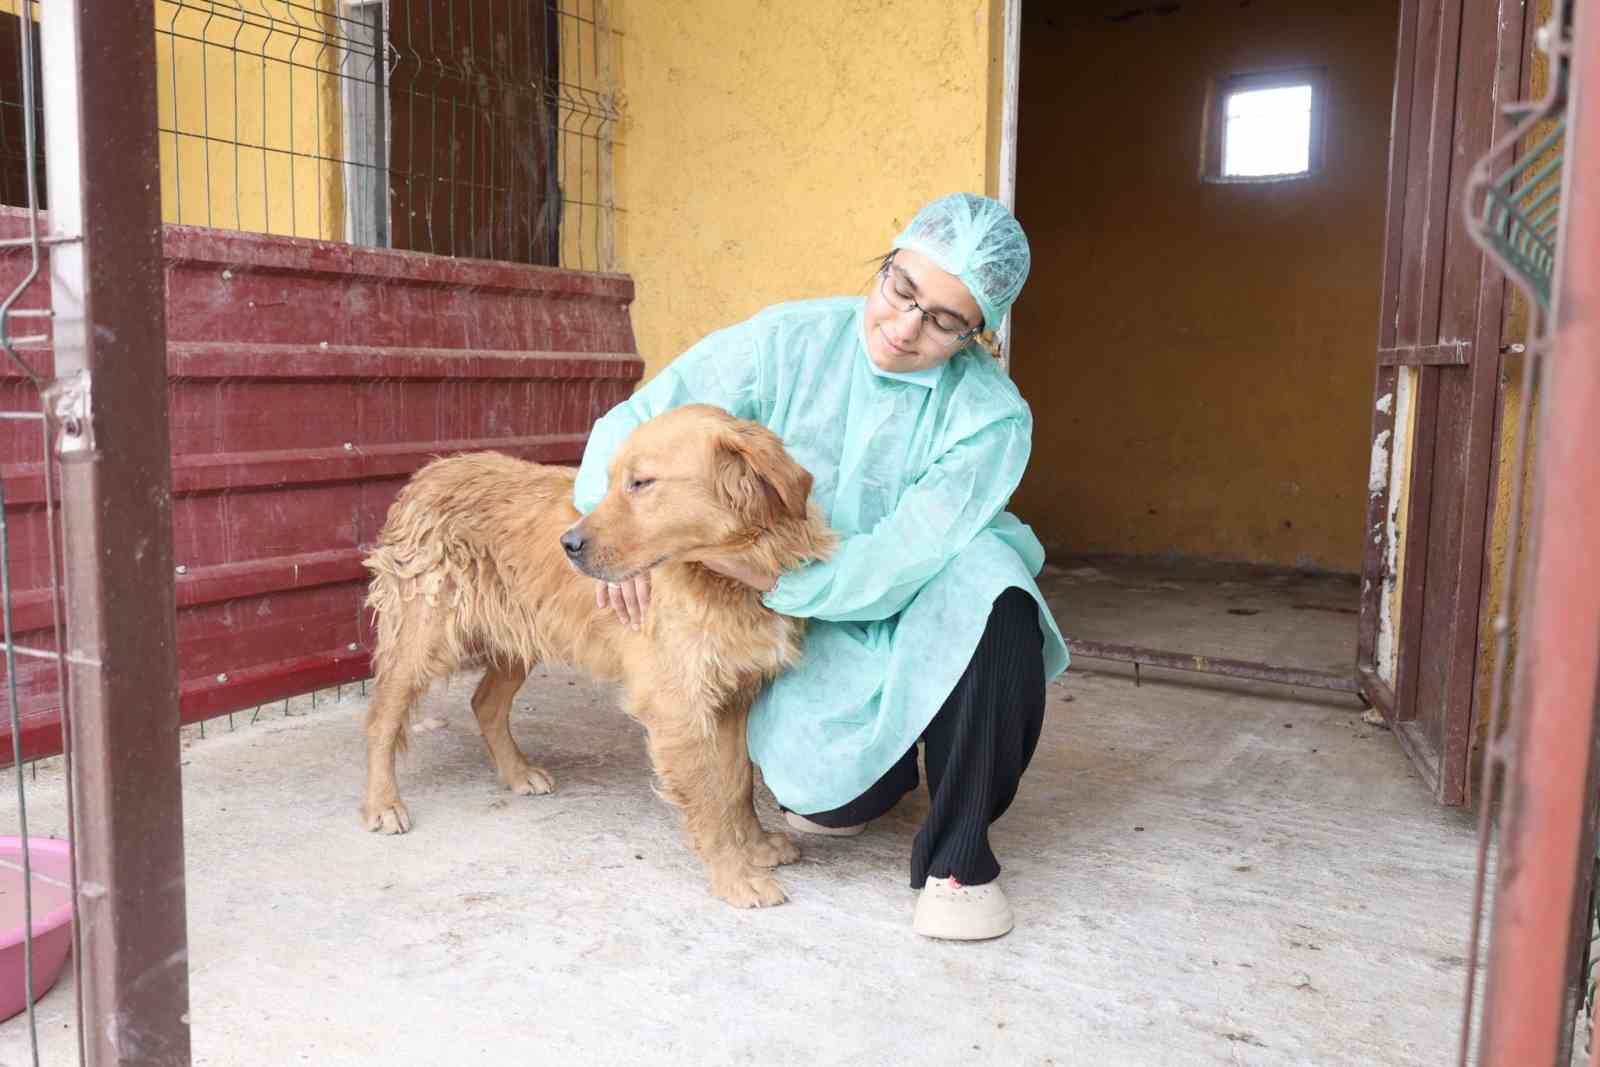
column 1264, row 128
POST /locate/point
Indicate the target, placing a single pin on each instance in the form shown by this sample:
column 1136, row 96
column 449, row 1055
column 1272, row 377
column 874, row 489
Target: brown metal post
column 1543, row 830
column 110, row 420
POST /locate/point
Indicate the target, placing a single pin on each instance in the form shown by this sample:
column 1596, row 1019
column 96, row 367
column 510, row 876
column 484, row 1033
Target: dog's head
column 692, row 484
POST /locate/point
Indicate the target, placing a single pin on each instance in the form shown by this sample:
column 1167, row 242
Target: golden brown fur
column 471, row 568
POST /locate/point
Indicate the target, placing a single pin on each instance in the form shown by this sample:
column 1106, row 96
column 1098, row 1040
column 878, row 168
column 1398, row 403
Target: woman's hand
column 629, row 599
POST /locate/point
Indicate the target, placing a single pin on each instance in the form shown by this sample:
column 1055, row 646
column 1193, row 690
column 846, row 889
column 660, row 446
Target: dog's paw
column 386, row 818
column 772, row 850
column 748, row 888
column 533, row 782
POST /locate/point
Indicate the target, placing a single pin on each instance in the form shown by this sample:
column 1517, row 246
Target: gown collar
column 927, row 378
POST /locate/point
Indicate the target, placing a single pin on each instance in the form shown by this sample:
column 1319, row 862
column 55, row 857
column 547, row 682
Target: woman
column 926, row 623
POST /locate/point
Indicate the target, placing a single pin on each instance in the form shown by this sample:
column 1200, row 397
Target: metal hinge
column 69, row 399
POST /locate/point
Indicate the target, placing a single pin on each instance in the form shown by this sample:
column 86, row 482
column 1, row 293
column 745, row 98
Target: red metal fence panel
column 307, row 381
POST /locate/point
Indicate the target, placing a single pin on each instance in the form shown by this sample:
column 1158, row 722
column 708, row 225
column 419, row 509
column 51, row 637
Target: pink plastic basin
column 52, row 918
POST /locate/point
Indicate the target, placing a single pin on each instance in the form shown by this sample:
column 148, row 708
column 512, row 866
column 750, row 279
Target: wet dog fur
column 484, row 560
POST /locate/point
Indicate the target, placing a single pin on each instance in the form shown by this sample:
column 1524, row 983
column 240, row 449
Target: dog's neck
column 785, row 546
column 707, row 581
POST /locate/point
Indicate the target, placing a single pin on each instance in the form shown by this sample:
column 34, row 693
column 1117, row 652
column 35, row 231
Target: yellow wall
column 1199, row 357
column 769, row 148
column 214, row 87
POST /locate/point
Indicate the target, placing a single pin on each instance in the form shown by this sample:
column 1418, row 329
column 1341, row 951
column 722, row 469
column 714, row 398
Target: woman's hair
column 880, row 263
column 984, row 338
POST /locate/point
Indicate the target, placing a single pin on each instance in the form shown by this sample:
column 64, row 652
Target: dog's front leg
column 761, row 847
column 704, row 768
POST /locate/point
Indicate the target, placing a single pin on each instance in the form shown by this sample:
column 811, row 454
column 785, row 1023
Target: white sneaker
column 950, row 911
column 806, row 826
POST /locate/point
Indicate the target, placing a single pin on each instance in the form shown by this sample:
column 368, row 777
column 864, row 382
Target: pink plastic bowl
column 52, row 918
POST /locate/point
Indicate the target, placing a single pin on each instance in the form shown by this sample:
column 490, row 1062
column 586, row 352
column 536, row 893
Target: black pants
column 976, row 749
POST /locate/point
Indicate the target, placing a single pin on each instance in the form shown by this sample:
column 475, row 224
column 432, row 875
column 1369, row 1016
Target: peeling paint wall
column 1200, row 357
column 1398, row 476
column 769, row 149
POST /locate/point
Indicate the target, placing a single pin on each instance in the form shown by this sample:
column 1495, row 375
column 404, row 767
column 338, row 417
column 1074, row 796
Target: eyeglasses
column 945, row 328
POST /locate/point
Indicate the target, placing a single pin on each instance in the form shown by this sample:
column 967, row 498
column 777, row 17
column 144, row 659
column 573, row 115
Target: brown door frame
column 1442, row 313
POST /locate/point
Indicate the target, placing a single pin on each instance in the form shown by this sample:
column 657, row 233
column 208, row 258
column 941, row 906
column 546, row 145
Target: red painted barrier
column 307, row 381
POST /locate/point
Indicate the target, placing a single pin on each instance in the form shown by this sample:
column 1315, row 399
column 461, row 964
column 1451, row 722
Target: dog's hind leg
column 387, row 714
column 413, row 651
column 491, row 703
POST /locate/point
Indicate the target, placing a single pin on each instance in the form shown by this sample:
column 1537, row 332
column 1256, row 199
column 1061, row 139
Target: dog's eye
column 640, row 483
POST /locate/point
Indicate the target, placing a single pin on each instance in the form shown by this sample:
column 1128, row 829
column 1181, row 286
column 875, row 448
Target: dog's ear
column 758, row 478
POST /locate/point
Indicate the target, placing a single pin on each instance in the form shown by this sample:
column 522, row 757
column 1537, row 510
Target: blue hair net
column 980, row 242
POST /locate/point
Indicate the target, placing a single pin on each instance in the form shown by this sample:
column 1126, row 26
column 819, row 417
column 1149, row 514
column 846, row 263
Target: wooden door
column 1436, row 402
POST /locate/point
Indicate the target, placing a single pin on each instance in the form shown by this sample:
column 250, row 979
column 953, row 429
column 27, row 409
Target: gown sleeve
column 874, row 575
column 724, row 369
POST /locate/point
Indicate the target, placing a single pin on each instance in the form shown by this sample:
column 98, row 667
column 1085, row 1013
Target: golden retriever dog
column 484, row 560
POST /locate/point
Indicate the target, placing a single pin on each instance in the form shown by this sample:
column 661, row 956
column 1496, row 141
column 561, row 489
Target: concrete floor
column 1204, row 873
column 1286, row 618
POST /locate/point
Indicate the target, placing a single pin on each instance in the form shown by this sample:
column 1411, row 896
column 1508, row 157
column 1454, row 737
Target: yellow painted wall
column 770, row 148
column 260, row 75
column 1199, row 357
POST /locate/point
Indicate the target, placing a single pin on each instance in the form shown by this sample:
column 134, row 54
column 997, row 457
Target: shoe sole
column 801, row 824
column 1000, row 926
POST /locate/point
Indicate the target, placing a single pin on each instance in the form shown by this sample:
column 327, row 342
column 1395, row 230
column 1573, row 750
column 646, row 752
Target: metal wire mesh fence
column 22, row 176
column 477, row 128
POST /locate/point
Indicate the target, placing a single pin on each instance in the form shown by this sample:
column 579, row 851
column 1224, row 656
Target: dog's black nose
column 573, row 542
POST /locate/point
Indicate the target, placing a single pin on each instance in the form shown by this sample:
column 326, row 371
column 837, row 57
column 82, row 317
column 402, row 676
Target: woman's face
column 917, row 316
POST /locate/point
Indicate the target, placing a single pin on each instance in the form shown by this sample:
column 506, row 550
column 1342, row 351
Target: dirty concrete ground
column 1286, row 618
column 1204, row 872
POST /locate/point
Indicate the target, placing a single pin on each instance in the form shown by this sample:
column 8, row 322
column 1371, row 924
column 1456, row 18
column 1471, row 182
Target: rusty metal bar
column 109, row 411
column 1545, row 842
column 1342, row 681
